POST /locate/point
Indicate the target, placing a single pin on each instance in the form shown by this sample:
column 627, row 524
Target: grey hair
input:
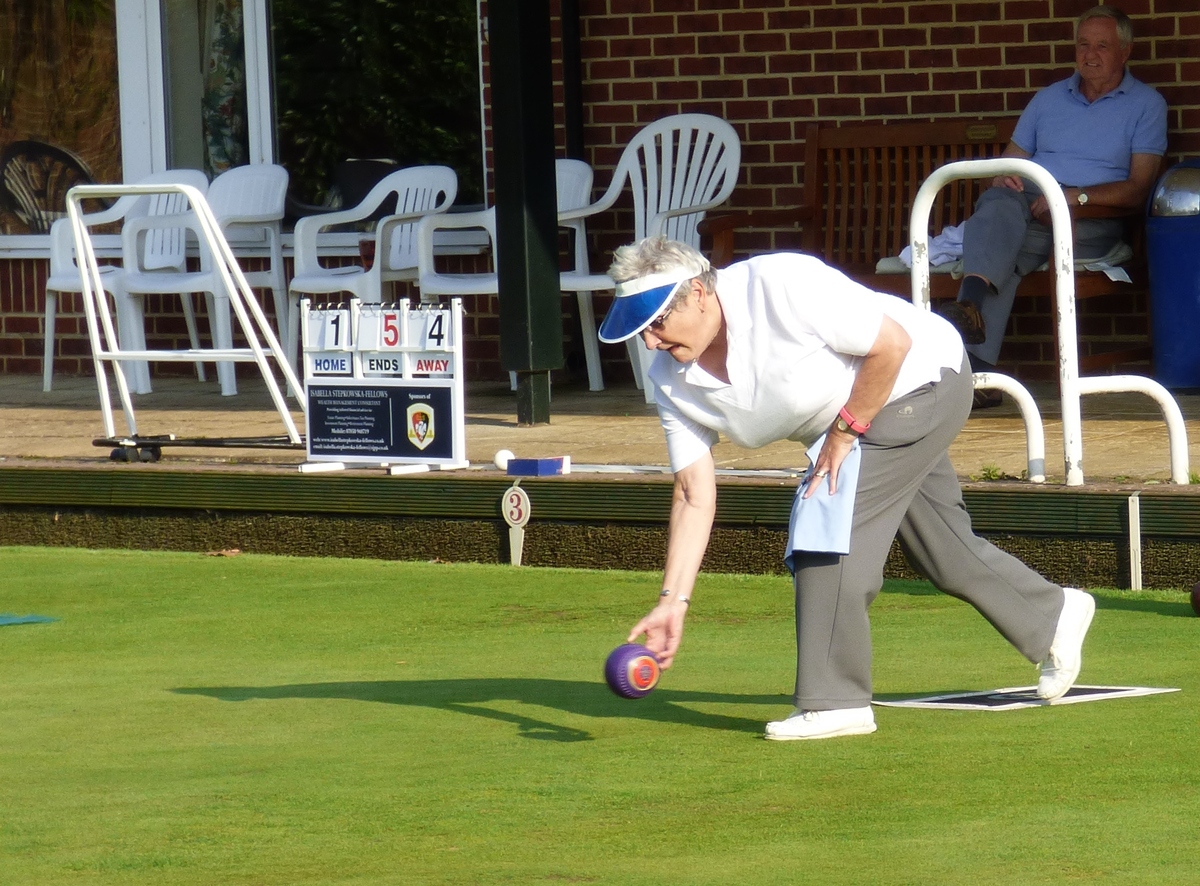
column 1124, row 25
column 657, row 255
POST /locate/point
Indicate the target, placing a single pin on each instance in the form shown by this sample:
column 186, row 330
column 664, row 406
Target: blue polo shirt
column 1084, row 143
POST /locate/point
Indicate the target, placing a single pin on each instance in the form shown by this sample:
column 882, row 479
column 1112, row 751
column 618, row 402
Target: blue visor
column 632, row 311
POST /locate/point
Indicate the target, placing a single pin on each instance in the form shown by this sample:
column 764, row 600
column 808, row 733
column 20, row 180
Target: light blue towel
column 821, row 524
column 24, row 619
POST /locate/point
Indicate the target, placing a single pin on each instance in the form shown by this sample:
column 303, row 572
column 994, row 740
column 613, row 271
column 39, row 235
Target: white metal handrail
column 245, row 306
column 1071, row 386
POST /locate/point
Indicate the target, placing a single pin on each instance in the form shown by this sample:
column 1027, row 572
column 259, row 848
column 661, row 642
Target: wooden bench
column 859, row 186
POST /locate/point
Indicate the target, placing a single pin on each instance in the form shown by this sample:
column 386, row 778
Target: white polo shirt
column 797, row 331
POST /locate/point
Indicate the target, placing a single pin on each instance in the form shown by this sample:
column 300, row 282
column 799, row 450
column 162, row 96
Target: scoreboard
column 384, row 383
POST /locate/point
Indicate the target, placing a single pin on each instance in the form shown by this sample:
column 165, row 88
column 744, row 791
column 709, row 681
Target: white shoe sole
column 854, row 729
column 1062, row 687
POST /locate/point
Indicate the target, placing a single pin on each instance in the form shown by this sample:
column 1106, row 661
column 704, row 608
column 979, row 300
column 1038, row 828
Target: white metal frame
column 1071, row 386
column 245, row 306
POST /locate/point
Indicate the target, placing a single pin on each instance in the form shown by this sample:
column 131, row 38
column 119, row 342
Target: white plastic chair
column 574, row 184
column 248, row 202
column 677, row 169
column 161, row 253
column 419, row 191
column 154, row 256
column 65, row 277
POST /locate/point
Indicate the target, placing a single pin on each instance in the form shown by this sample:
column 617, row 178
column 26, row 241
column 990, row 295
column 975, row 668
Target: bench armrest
column 722, row 227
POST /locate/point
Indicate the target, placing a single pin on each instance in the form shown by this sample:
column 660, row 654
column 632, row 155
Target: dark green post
column 531, row 330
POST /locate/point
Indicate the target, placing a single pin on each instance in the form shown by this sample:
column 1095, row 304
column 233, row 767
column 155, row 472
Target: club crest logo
column 420, row 425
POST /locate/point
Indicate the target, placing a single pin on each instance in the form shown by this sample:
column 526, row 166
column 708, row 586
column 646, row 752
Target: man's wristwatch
column 848, row 424
column 1082, row 199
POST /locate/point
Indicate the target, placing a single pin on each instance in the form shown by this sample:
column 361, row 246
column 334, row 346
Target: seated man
column 1101, row 133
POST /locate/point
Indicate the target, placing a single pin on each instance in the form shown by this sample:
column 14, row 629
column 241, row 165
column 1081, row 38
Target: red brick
column 790, row 63
column 886, row 106
column 604, row 27
column 858, row 39
column 860, row 84
column 977, row 12
column 747, row 110
column 700, row 66
column 905, row 37
column 767, row 87
column 838, row 107
column 742, row 21
column 700, row 23
column 904, row 83
column 722, row 89
column 957, row 36
column 612, row 69
column 933, row 105
column 645, row 68
column 835, row 17
column 885, row 60
column 1026, row 56
column 981, row 103
column 654, row 25
column 789, row 20
column 1002, row 34
column 812, row 40
column 812, row 85
column 879, row 16
column 745, row 65
column 1002, row 78
column 798, row 107
column 979, row 56
column 633, row 90
column 830, row 62
column 1053, row 32
column 930, row 13
column 630, row 47
column 954, row 81
column 931, row 58
column 1015, row 10
column 770, row 42
column 665, row 47
column 718, row 44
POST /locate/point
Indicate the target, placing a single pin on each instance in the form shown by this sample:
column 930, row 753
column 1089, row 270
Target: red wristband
column 853, row 422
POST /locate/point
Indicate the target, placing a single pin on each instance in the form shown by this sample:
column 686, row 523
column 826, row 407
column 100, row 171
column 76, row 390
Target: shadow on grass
column 472, row 697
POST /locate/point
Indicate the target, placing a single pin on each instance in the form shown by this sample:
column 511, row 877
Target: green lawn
column 263, row 720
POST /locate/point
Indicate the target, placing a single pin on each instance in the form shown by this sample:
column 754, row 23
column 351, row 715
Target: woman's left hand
column 829, row 461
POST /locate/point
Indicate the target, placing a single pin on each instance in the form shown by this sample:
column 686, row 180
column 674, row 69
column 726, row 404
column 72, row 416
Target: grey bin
column 1173, row 253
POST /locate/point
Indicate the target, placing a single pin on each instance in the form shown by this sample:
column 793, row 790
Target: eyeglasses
column 657, row 323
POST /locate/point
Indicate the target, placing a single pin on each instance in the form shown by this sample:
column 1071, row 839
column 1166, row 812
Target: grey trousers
column 907, row 486
column 1003, row 243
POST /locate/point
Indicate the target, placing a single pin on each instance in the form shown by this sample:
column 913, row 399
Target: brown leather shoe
column 965, row 317
column 986, row 399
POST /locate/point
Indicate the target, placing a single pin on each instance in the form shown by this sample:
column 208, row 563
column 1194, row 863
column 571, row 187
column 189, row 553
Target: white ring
column 821, row 474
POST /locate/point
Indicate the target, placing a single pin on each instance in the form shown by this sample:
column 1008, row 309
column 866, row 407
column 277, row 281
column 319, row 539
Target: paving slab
column 1124, row 437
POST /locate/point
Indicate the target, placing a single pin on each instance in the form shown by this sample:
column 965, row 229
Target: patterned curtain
column 223, row 106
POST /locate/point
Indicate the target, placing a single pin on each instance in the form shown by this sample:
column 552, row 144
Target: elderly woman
column 784, row 347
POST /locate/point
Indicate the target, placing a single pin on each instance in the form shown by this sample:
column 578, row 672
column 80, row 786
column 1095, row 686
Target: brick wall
column 771, row 66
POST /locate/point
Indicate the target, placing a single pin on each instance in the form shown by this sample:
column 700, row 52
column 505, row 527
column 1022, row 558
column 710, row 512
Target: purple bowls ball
column 631, row 670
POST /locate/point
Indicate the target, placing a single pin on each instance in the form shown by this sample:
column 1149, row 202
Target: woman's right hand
column 663, row 627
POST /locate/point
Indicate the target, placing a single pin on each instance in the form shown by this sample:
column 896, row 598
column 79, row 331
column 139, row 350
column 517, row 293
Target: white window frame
column 141, row 83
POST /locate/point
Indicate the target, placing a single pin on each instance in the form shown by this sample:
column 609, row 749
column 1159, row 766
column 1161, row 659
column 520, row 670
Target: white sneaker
column 822, row 724
column 1061, row 666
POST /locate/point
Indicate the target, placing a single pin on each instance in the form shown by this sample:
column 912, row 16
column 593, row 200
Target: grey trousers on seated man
column 1003, row 243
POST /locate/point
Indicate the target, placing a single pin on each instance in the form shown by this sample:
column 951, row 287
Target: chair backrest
column 573, row 181
column 418, row 190
column 860, row 182
column 248, row 194
column 165, row 248
column 676, row 162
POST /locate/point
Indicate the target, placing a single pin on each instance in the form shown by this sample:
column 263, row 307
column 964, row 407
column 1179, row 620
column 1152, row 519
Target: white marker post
column 516, row 508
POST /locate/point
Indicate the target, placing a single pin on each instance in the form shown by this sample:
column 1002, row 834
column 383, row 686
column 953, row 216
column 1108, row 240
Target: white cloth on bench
column 1109, row 263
